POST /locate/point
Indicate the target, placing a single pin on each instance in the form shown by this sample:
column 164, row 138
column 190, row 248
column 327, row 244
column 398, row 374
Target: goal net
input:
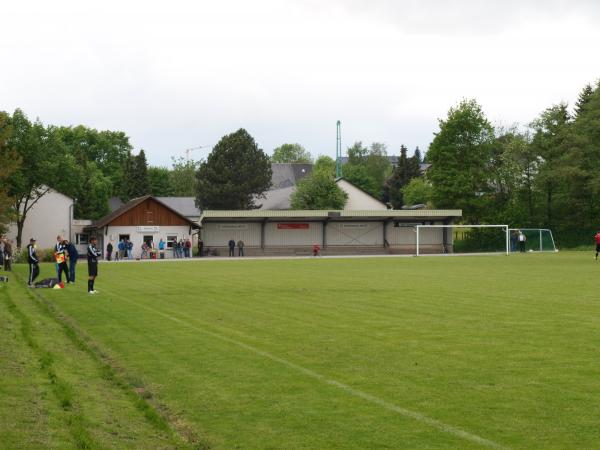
column 536, row 240
column 440, row 239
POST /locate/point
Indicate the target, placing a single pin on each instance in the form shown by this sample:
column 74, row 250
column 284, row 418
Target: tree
column 325, row 164
column 584, row 98
column 551, row 143
column 182, row 177
column 235, row 173
column 460, row 155
column 40, row 159
column 135, row 179
column 10, row 164
column 417, row 192
column 318, row 191
column 406, row 169
column 159, row 180
column 368, row 168
column 291, row 153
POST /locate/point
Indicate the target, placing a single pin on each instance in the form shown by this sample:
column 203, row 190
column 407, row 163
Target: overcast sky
column 179, row 74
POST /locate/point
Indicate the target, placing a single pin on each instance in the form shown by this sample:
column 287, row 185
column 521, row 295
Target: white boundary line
column 441, row 426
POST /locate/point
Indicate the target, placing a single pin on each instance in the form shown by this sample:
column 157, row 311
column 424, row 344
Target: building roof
column 183, row 205
column 391, row 214
column 277, row 198
column 288, row 174
column 106, row 220
column 337, row 180
column 114, row 203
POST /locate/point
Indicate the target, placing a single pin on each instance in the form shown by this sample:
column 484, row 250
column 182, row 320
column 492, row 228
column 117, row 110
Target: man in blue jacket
column 73, row 255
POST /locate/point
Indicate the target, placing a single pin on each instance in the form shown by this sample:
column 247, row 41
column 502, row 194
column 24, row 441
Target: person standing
column 316, row 249
column 61, row 260
column 240, row 246
column 188, row 248
column 121, row 249
column 109, row 250
column 130, row 249
column 92, row 256
column 58, row 249
column 161, row 248
column 8, row 255
column 231, row 244
column 522, row 240
column 73, row 255
column 33, row 260
column 200, row 247
column 597, row 239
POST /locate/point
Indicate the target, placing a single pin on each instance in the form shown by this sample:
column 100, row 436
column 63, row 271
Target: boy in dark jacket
column 33, row 260
column 73, row 255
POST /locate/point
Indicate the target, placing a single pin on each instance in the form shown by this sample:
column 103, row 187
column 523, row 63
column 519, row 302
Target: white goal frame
column 541, row 230
column 504, row 227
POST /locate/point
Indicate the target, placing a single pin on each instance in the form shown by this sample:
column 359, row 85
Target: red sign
column 292, row 226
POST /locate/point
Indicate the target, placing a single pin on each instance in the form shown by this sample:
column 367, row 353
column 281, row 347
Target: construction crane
column 188, row 151
column 338, row 151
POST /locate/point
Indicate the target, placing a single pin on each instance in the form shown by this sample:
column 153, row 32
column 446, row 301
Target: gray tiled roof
column 183, row 205
column 286, row 174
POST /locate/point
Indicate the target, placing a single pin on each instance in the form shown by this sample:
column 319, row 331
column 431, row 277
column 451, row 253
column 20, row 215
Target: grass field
column 464, row 352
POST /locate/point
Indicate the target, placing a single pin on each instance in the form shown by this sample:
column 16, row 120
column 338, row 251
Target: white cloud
column 185, row 73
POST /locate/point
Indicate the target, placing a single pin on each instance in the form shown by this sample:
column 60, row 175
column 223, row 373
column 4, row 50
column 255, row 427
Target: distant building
column 145, row 219
column 49, row 217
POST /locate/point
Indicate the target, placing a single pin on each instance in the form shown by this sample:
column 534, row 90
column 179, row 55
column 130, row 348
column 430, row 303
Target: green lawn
column 433, row 352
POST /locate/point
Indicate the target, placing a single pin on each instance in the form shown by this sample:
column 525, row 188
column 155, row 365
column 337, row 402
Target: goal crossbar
column 504, row 227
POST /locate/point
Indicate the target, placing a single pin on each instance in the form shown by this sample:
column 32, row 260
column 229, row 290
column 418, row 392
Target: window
column 82, row 238
column 171, row 240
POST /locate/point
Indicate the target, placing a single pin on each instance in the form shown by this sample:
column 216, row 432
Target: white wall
column 276, row 237
column 357, row 199
column 137, row 237
column 219, row 234
column 49, row 217
column 354, row 233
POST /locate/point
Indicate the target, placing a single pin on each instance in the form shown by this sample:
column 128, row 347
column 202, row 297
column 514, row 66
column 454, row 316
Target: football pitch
column 433, row 352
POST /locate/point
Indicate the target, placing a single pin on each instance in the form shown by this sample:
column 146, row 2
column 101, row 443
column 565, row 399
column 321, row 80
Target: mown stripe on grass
column 131, row 388
column 76, row 422
column 441, row 426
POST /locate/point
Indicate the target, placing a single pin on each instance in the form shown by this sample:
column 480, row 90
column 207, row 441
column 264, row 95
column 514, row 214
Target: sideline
column 441, row 426
column 291, row 257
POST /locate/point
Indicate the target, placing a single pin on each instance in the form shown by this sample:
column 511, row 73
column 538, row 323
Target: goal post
column 502, row 229
column 537, row 239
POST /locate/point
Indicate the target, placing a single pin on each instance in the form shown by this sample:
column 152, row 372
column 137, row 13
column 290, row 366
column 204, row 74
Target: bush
column 44, row 255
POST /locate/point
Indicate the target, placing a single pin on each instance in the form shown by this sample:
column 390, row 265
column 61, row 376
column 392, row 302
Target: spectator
column 161, row 248
column 316, row 249
column 109, row 250
column 231, row 247
column 60, row 256
column 8, row 255
column 188, row 248
column 33, row 260
column 522, row 240
column 144, row 250
column 240, row 245
column 121, row 249
column 73, row 255
column 130, row 249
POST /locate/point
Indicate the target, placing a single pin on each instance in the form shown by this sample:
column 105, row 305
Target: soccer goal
column 436, row 239
column 536, row 239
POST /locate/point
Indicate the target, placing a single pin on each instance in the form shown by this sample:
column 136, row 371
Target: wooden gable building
column 144, row 219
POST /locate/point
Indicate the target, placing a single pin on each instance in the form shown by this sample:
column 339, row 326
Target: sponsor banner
column 356, row 225
column 233, row 226
column 293, row 226
column 148, row 229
